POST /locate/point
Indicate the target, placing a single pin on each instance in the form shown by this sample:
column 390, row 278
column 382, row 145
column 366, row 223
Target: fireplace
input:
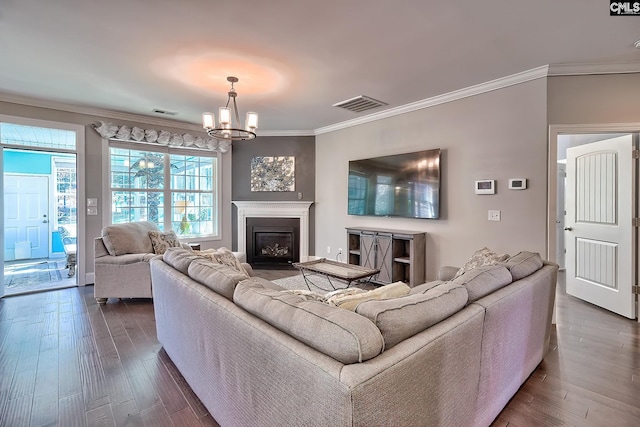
column 276, row 209
column 273, row 242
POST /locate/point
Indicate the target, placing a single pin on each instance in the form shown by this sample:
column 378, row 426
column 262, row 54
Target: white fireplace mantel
column 274, row 210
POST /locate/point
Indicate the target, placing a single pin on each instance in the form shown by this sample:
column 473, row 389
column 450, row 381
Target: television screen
column 402, row 185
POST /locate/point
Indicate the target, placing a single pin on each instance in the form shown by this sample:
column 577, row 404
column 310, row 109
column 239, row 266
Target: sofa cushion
column 218, row 277
column 420, row 289
column 482, row 281
column 340, row 334
column 180, row 259
column 401, row 318
column 523, row 264
column 223, row 256
column 162, row 241
column 350, row 300
column 481, row 257
column 128, row 238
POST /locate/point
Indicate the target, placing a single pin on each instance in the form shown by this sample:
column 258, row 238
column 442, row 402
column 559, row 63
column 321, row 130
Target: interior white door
column 26, row 220
column 599, row 232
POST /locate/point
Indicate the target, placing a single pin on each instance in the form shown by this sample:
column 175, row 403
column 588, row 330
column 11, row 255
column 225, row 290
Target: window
column 176, row 189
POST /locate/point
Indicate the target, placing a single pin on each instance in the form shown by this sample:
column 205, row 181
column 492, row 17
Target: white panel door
column 26, row 221
column 600, row 236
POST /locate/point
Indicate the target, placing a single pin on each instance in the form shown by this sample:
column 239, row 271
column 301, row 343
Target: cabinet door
column 384, row 258
column 368, row 250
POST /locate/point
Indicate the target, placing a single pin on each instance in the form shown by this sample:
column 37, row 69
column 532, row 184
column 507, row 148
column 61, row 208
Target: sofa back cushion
column 218, row 277
column 401, row 318
column 128, row 238
column 341, row 334
column 482, row 281
column 524, row 264
column 180, row 259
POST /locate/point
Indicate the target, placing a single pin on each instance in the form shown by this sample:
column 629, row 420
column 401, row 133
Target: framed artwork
column 273, row 173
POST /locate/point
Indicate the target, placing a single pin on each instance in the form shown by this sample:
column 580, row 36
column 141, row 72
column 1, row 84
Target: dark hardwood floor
column 66, row 361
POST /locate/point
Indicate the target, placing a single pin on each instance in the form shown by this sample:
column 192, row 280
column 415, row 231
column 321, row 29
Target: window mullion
column 167, row 192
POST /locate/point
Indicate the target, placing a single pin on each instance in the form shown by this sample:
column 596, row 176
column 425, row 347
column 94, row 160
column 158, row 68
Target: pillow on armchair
column 163, row 241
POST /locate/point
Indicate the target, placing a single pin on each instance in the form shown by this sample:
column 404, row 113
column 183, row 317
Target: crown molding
column 478, row 89
column 587, row 69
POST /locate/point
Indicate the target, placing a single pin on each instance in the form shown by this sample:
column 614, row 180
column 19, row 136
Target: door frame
column 80, row 176
column 552, row 154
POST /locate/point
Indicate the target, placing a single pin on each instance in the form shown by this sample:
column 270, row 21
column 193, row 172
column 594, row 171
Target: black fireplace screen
column 272, row 242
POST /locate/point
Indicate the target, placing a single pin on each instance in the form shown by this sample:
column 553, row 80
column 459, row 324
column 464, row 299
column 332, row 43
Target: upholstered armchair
column 122, row 255
column 121, row 262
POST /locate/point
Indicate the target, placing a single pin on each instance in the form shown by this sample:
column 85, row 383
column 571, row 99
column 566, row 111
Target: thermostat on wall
column 518, row 184
column 486, row 186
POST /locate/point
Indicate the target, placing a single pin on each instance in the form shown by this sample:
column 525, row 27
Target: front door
column 26, row 221
column 599, row 232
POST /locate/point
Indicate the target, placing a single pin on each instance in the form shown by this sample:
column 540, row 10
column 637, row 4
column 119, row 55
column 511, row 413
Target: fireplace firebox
column 273, row 242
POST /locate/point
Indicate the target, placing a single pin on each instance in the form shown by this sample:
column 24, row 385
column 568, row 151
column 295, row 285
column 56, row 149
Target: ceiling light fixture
column 227, row 129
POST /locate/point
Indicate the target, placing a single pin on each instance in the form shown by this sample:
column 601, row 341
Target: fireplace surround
column 260, row 209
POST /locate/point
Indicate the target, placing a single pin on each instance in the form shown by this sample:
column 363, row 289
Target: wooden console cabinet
column 398, row 254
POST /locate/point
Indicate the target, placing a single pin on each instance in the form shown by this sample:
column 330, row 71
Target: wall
column 497, row 135
column 300, row 147
column 595, row 99
column 93, row 157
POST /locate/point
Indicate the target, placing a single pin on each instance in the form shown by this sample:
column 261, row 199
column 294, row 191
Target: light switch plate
column 92, row 210
column 92, row 201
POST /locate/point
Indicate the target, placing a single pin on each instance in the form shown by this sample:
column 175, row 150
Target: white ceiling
column 294, row 58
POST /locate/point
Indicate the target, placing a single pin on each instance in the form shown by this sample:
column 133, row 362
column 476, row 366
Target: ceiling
column 294, row 58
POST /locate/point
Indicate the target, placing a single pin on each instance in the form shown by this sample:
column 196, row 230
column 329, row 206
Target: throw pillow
column 163, row 241
column 480, row 258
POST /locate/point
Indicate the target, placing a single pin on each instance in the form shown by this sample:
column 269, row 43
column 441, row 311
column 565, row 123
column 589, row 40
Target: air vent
column 360, row 103
column 165, row 112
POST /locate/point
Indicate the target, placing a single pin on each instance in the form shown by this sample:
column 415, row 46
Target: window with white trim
column 175, row 188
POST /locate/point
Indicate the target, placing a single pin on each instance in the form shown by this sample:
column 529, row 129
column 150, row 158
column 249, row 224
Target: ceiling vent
column 360, row 103
column 165, row 112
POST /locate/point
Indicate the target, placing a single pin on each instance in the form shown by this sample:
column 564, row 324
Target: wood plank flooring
column 66, row 361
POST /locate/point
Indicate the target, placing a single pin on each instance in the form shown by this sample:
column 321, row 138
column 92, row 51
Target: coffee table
column 333, row 269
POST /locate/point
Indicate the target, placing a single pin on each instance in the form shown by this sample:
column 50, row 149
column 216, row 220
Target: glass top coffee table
column 348, row 273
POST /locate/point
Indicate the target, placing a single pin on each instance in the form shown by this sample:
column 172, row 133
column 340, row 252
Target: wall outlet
column 328, row 249
column 494, row 215
column 339, row 251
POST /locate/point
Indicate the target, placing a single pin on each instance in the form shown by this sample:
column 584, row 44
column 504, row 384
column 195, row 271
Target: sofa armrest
column 100, row 249
column 447, row 272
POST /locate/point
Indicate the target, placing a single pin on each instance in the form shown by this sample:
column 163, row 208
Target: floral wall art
column 273, row 173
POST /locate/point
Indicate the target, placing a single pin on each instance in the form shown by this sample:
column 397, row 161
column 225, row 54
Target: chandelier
column 227, row 129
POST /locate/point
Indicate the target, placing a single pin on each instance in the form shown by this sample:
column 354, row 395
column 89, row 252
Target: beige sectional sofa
column 450, row 353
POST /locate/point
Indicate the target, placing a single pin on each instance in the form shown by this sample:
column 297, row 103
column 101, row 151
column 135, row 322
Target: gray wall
column 300, row 147
column 93, row 158
column 597, row 99
column 497, row 135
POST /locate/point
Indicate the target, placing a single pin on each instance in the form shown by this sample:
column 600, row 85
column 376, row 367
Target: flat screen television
column 400, row 185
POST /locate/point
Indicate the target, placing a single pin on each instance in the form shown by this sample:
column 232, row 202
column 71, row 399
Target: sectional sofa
column 450, row 353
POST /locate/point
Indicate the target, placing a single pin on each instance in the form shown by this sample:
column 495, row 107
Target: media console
column 399, row 255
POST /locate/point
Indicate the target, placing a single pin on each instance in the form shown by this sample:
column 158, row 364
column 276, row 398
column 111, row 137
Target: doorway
column 565, row 240
column 41, row 216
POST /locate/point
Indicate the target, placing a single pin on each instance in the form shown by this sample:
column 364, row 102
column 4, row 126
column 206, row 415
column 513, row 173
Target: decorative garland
column 125, row 133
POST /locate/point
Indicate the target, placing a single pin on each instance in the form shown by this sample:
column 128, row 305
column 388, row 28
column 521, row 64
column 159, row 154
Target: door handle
column 44, row 221
column 568, row 229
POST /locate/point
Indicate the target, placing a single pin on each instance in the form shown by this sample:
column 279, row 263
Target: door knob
column 568, row 229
